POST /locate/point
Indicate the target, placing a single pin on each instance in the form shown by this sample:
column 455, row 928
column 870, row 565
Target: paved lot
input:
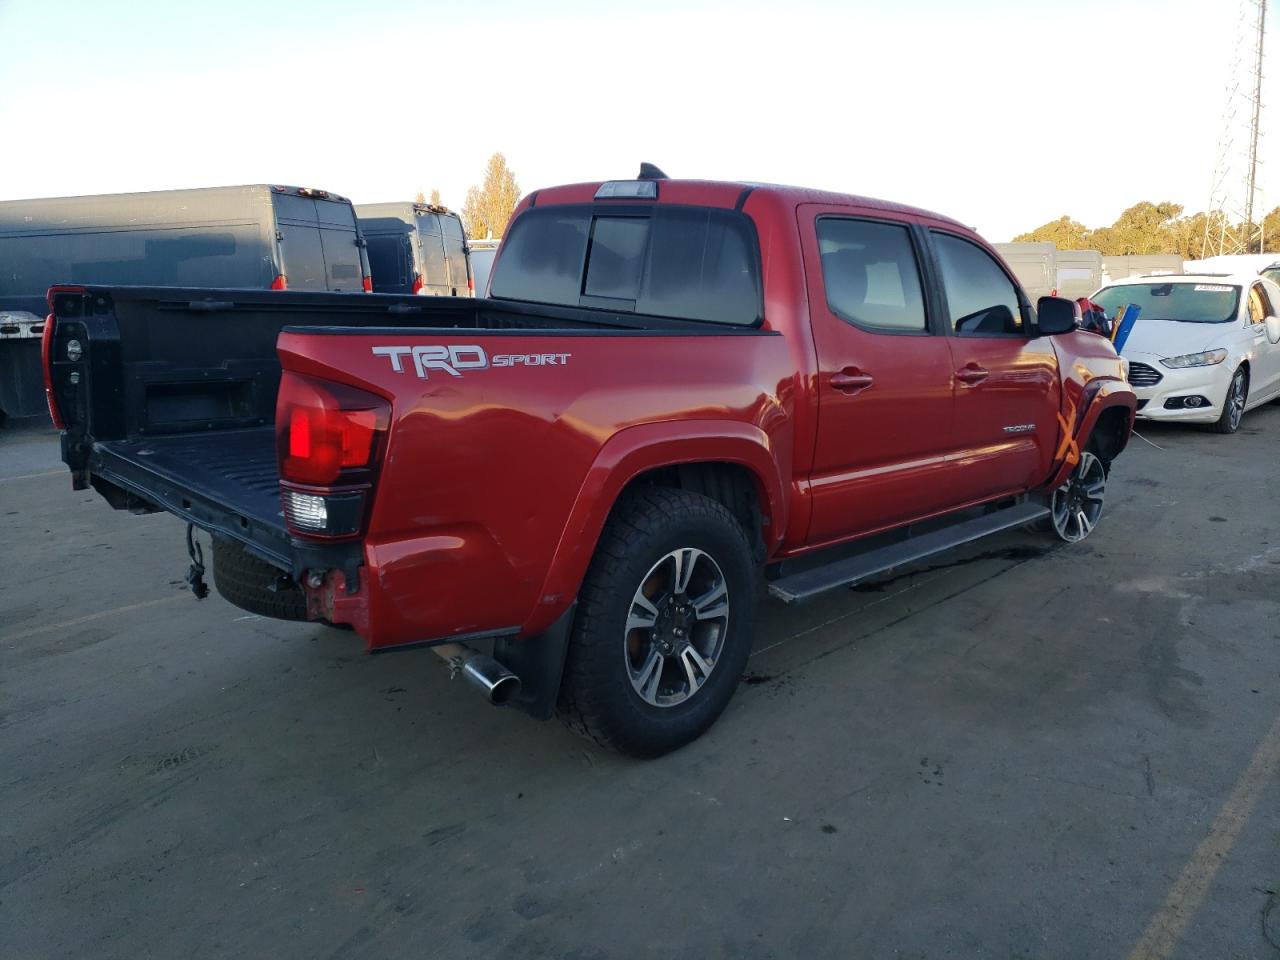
column 1029, row 751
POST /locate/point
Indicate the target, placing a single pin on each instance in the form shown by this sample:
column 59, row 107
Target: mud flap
column 539, row 663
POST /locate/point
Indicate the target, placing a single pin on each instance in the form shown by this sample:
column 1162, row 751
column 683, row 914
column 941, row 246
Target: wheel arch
column 731, row 462
column 1112, row 399
column 1110, row 434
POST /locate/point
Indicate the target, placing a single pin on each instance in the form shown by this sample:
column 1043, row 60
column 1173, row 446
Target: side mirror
column 1273, row 329
column 1057, row 315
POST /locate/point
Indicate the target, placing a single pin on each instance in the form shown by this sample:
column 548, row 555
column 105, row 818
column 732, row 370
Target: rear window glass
column 427, row 223
column 339, row 212
column 616, row 261
column 670, row 261
column 451, row 225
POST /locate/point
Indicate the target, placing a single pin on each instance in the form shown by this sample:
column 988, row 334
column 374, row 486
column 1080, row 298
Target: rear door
column 337, row 224
column 433, row 265
column 455, row 252
column 1007, row 389
column 301, row 252
column 884, row 375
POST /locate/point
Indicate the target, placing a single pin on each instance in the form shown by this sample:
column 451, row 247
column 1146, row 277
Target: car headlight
column 1206, row 359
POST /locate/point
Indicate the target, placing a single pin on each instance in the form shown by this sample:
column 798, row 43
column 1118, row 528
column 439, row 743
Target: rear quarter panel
column 495, row 483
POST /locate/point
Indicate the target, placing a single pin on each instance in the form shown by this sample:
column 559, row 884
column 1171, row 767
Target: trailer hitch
column 195, row 573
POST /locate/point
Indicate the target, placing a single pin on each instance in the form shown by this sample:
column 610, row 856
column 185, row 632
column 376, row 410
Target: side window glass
column 1258, row 306
column 870, row 275
column 981, row 297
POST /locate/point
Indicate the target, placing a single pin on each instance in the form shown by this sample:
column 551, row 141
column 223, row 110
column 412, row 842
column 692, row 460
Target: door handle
column 851, row 380
column 971, row 374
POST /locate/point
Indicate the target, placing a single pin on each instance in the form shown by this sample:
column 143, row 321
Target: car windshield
column 1199, row 302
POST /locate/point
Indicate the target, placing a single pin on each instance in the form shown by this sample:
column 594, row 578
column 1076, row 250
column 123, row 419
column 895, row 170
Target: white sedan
column 1204, row 349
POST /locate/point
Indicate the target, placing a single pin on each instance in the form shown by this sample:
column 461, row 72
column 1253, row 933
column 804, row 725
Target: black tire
column 597, row 697
column 1233, row 405
column 255, row 585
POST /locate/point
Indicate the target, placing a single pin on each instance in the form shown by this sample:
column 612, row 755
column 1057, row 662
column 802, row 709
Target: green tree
column 1144, row 228
column 1068, row 234
column 489, row 206
column 1271, row 232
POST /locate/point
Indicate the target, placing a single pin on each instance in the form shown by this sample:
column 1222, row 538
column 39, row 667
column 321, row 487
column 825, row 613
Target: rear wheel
column 1233, row 405
column 255, row 585
column 664, row 625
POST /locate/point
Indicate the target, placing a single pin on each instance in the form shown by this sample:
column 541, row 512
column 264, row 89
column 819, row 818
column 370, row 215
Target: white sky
column 1003, row 114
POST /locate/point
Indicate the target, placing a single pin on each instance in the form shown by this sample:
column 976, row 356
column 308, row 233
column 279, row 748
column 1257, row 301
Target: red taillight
column 471, row 285
column 46, row 349
column 417, row 283
column 367, row 283
column 280, row 283
column 328, row 432
column 46, row 352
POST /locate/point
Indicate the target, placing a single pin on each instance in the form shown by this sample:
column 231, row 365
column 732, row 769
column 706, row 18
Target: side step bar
column 850, row 570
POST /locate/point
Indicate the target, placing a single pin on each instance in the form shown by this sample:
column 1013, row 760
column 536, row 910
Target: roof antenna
column 649, row 172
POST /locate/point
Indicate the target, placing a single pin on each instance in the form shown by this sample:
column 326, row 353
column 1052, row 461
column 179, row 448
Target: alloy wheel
column 1236, row 400
column 676, row 627
column 1077, row 504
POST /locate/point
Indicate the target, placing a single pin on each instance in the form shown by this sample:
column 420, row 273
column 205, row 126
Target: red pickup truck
column 674, row 391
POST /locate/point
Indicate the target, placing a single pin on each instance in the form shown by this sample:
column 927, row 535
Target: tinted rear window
column 684, row 262
column 451, row 225
column 427, row 223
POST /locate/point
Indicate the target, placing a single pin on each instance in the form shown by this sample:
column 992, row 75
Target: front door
column 884, row 376
column 1264, row 379
column 1007, row 394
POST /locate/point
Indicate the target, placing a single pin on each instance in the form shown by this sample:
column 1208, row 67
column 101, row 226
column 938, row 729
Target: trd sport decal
column 453, row 360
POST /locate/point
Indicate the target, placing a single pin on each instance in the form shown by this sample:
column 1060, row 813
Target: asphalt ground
column 1022, row 750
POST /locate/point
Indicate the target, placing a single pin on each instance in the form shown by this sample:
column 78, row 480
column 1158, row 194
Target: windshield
column 1186, row 302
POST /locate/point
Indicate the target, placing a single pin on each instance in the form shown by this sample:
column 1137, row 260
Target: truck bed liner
column 224, row 481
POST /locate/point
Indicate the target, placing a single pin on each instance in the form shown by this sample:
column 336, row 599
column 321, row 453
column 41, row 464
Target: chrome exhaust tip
column 499, row 685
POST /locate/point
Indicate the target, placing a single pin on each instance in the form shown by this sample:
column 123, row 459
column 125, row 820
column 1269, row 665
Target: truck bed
column 225, row 481
column 171, row 405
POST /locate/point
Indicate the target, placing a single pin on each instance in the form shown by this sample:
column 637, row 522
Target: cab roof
column 728, row 193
